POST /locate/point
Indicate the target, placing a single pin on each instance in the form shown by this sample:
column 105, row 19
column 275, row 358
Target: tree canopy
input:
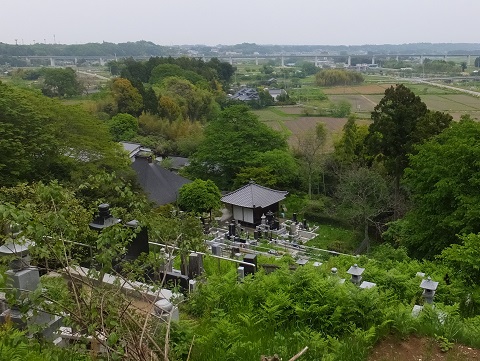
column 42, row 139
column 230, row 143
column 61, row 82
column 443, row 180
column 330, row 77
column 199, row 196
column 400, row 121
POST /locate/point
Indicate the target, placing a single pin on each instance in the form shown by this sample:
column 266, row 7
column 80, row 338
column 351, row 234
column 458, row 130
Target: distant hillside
column 146, row 48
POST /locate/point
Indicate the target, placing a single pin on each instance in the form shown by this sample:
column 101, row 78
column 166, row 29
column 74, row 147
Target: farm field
column 359, row 89
column 363, row 98
column 292, row 123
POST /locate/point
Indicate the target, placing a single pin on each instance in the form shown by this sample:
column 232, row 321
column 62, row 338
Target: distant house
column 174, row 163
column 134, row 149
column 160, row 185
column 248, row 203
column 246, row 94
column 275, row 93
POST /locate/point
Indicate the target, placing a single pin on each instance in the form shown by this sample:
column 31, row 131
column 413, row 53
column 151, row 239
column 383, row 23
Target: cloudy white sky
column 212, row 22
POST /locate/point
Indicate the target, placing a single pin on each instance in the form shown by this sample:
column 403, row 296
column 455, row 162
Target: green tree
column 350, row 148
column 308, row 68
column 42, row 139
column 61, row 83
column 127, row 98
column 401, row 121
column 362, row 195
column 463, row 258
column 194, row 102
column 230, row 142
column 123, row 127
column 443, row 180
column 309, row 150
column 51, row 216
column 199, row 196
column 150, row 101
column 332, row 77
column 163, row 71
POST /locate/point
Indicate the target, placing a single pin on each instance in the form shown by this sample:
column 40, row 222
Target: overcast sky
column 212, row 22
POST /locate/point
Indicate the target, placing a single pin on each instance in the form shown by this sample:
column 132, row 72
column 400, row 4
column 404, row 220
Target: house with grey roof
column 134, row 149
column 160, row 185
column 246, row 94
column 275, row 93
column 248, row 203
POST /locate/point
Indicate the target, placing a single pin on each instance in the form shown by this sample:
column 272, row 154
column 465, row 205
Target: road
column 471, row 92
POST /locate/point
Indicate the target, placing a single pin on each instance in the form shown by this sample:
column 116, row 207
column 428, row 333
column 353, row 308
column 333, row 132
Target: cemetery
column 233, row 246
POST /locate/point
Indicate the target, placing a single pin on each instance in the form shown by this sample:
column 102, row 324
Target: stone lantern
column 21, row 277
column 356, row 273
column 429, row 287
column 104, row 218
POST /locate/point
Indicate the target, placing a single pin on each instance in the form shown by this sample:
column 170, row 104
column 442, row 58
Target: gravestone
column 174, row 279
column 216, row 249
column 240, row 273
column 302, row 262
column 249, row 269
column 139, row 243
column 231, row 230
column 195, row 267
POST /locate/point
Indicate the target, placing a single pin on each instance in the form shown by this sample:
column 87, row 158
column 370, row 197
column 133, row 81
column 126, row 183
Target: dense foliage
column 231, row 142
column 332, row 77
column 443, row 179
column 282, row 312
column 41, row 139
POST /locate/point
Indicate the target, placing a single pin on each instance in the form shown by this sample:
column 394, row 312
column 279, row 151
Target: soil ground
column 420, row 349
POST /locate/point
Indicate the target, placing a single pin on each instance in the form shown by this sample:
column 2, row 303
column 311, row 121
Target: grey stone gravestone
column 216, row 249
column 240, row 273
column 195, row 265
column 250, row 258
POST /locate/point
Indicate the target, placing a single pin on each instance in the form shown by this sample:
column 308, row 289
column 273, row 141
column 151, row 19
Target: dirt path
column 420, row 348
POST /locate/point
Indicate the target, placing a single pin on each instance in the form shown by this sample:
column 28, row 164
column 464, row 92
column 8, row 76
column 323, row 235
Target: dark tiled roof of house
column 160, row 184
column 246, row 94
column 254, row 195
